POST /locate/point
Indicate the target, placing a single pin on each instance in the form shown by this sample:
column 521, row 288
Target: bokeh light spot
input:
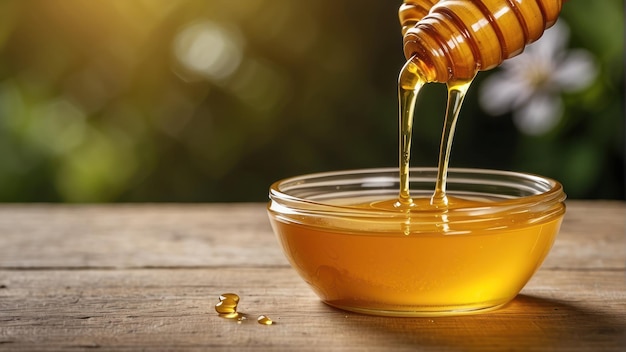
column 208, row 49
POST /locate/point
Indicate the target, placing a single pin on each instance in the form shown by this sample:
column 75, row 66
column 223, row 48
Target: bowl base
column 417, row 312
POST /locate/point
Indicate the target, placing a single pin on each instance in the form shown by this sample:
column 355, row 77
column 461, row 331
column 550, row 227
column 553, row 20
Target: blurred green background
column 212, row 100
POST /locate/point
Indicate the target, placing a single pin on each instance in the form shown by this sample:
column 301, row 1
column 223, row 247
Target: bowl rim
column 553, row 194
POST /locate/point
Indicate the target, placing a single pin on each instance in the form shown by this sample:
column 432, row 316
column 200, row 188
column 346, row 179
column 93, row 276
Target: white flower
column 530, row 84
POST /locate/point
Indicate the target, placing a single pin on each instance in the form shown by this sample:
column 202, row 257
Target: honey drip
column 410, row 82
column 456, row 94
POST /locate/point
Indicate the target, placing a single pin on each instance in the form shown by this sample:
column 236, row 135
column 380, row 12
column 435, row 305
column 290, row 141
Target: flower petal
column 539, row 116
column 500, row 93
column 576, row 71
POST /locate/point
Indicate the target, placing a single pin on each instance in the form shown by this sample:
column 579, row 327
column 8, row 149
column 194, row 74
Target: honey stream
column 410, row 82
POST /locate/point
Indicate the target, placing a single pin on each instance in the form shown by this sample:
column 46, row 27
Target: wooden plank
column 593, row 235
column 171, row 309
column 137, row 235
column 203, row 235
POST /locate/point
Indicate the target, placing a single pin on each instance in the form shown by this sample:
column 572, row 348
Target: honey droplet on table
column 265, row 320
column 227, row 306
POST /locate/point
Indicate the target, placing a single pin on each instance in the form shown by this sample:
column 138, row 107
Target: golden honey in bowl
column 346, row 237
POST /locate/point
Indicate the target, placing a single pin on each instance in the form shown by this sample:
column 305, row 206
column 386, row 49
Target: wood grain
column 170, row 308
column 130, row 236
column 147, row 277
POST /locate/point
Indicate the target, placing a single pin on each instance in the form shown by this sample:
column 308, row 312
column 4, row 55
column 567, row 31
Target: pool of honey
column 431, row 269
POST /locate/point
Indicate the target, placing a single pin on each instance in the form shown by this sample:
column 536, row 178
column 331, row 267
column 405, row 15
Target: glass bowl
column 358, row 252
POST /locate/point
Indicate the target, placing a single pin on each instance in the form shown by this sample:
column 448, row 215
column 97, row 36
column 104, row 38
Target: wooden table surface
column 147, row 277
